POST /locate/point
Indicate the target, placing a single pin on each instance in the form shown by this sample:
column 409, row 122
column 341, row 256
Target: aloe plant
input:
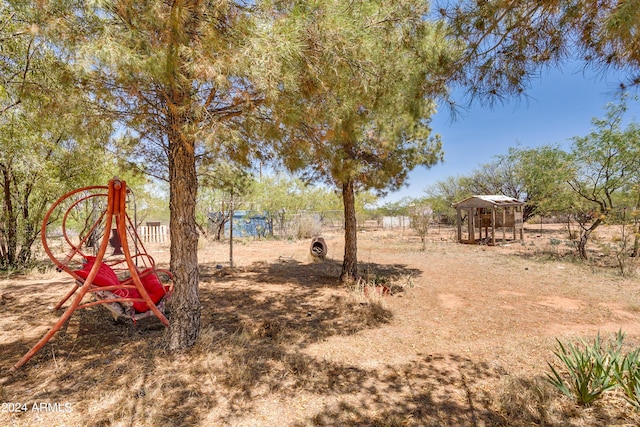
column 589, row 369
column 626, row 372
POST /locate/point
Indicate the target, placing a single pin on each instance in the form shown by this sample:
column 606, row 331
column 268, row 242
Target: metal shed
column 489, row 212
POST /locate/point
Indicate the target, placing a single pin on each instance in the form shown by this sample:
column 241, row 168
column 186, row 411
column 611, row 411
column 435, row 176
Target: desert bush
column 554, row 246
column 588, row 368
column 626, row 372
column 307, row 228
column 301, row 226
column 372, row 283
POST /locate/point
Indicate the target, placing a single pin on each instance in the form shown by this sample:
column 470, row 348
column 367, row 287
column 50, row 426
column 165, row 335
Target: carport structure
column 491, row 213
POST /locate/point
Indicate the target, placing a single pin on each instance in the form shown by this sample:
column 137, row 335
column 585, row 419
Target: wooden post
column 231, row 209
column 472, row 231
column 459, row 224
column 521, row 216
column 493, row 225
column 504, row 222
column 486, row 231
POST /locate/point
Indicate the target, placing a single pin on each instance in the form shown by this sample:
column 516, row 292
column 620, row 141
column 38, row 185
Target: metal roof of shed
column 487, row 201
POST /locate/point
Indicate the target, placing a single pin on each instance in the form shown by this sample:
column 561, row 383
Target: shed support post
column 504, row 223
column 493, row 226
column 521, row 223
column 472, row 226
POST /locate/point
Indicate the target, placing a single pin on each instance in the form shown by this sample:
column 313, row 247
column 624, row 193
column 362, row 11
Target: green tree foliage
column 523, row 173
column 51, row 141
column 604, row 161
column 507, row 41
column 364, row 103
column 444, row 193
column 400, row 207
column 542, row 191
column 498, row 177
column 452, row 189
column 152, row 199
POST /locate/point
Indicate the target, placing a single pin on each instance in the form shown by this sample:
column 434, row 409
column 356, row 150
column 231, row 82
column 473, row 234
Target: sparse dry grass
column 462, row 339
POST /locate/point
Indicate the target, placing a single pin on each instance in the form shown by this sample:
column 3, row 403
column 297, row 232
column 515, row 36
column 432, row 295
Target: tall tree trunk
column 10, row 222
column 185, row 307
column 636, row 241
column 219, row 230
column 29, row 229
column 584, row 238
column 231, row 208
column 180, row 118
column 636, row 227
column 582, row 244
column 350, row 261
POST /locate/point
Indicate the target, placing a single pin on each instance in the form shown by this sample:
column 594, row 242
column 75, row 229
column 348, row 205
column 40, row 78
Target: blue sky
column 561, row 104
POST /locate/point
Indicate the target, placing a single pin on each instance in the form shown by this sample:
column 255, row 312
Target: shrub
column 589, row 369
column 626, row 372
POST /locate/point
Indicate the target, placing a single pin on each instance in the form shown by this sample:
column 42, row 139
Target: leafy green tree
column 400, row 207
column 542, row 191
column 497, row 177
column 235, row 184
column 523, row 173
column 603, row 162
column 444, row 193
column 373, row 70
column 51, row 141
column 152, row 199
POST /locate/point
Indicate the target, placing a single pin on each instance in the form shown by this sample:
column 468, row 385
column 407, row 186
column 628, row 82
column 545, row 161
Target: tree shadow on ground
column 93, row 353
column 292, row 302
column 434, row 390
column 324, row 273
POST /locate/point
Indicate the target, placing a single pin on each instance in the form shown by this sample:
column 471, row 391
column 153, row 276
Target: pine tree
column 372, row 72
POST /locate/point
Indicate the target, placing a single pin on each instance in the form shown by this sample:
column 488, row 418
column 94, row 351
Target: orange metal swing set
column 113, row 217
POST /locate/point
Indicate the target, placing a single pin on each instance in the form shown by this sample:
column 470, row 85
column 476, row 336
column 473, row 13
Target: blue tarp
column 245, row 224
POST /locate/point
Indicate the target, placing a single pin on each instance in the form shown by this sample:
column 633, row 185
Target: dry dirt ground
column 463, row 340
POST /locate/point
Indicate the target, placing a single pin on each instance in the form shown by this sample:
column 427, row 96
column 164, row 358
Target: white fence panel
column 396, row 221
column 153, row 234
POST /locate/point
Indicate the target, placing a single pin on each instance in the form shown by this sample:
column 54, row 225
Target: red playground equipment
column 126, row 281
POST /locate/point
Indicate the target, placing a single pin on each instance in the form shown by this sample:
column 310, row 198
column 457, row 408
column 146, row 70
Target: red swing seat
column 109, row 286
column 127, row 284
